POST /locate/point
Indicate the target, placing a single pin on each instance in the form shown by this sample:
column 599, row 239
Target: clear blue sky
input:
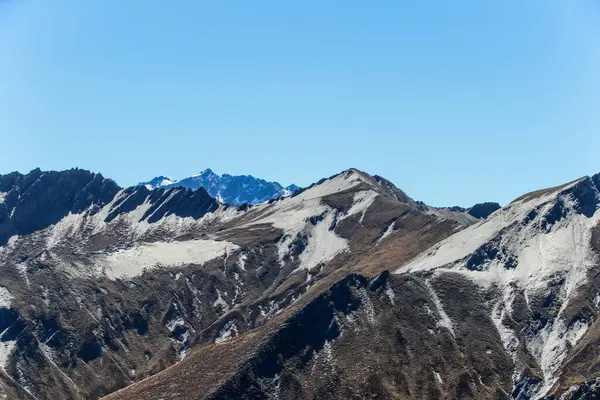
column 454, row 101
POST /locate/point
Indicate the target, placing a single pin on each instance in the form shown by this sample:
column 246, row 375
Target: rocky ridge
column 151, row 293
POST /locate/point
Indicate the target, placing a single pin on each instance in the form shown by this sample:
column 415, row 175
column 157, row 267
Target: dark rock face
column 34, row 201
column 585, row 195
column 589, row 390
column 230, row 189
column 596, row 180
column 164, row 202
column 39, row 199
column 11, row 324
column 483, row 210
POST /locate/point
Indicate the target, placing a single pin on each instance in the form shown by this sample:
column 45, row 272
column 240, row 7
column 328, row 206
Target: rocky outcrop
column 483, row 210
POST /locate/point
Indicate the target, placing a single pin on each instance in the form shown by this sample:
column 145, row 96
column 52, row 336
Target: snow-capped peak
column 231, row 189
column 159, row 181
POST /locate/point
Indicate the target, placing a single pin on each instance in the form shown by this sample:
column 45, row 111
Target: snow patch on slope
column 438, row 377
column 551, row 347
column 444, row 321
column 362, row 201
column 5, row 297
column 502, row 309
column 63, row 229
column 389, row 230
column 220, row 302
column 323, row 244
column 229, row 331
column 133, row 261
column 464, row 243
column 6, row 349
column 306, row 215
column 543, row 239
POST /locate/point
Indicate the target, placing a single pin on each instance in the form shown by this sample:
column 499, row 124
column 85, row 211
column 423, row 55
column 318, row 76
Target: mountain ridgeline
column 236, row 190
column 348, row 288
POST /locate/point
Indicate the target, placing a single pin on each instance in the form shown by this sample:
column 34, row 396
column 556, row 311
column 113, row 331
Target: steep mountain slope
column 537, row 259
column 506, row 308
column 70, row 326
column 125, row 284
column 227, row 188
column 102, row 287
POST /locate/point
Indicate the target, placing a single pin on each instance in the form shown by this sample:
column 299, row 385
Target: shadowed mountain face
column 347, row 289
column 483, row 210
column 39, row 199
column 227, row 188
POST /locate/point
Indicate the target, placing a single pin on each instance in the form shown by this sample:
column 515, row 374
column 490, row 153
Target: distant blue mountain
column 230, row 189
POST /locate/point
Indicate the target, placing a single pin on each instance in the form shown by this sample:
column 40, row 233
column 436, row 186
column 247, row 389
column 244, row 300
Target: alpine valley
column 224, row 287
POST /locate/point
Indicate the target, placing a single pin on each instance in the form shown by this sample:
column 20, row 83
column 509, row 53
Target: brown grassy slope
column 205, row 370
column 352, row 341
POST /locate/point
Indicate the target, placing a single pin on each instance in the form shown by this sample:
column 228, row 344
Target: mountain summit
column 230, row 189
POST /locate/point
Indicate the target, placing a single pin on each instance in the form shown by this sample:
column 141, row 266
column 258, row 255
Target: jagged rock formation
column 230, row 189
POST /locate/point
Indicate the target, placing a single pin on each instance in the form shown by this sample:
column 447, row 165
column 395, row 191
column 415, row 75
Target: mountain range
column 230, row 189
column 348, row 288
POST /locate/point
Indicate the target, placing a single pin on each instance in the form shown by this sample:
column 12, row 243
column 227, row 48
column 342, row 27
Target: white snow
column 133, row 261
column 22, row 268
column 174, row 323
column 323, row 244
column 45, row 295
column 220, row 302
column 5, row 297
column 328, row 349
column 465, row 242
column 130, row 224
column 550, row 348
column 541, row 255
column 389, row 292
column 63, row 229
column 367, row 304
column 49, row 354
column 444, row 321
column 12, row 241
column 438, row 377
column 501, row 309
column 6, row 349
column 388, row 232
column 2, row 197
column 293, row 214
column 362, row 201
column 241, row 261
column 336, row 184
column 228, row 331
